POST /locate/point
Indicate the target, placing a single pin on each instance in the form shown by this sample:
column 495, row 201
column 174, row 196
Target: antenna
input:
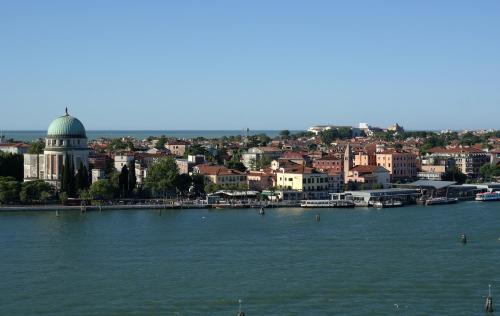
column 66, row 111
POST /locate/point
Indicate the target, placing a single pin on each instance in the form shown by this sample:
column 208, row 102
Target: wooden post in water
column 240, row 313
column 463, row 238
column 318, row 218
column 488, row 307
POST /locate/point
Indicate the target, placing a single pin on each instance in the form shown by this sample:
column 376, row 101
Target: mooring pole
column 488, row 307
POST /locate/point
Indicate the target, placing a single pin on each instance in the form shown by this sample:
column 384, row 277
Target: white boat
column 440, row 200
column 336, row 200
column 488, row 196
column 388, row 203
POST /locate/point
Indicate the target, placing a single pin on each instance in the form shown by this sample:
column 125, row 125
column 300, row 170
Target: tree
column 210, row 187
column 116, row 144
column 36, row 147
column 344, row 132
column 102, row 189
column 183, row 182
column 11, row 165
column 198, row 183
column 161, row 176
column 123, row 182
column 9, row 190
column 236, row 165
column 160, row 144
column 263, row 162
column 65, row 176
column 81, row 178
column 285, row 134
column 35, row 191
column 489, row 171
column 72, row 180
column 132, row 179
column 327, row 136
column 455, row 175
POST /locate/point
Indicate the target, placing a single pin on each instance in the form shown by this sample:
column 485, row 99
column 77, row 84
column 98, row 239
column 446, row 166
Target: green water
column 200, row 262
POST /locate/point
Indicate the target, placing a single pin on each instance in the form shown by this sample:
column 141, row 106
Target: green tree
column 236, row 165
column 81, row 178
column 116, row 144
column 160, row 144
column 35, row 191
column 161, row 176
column 123, row 181
column 11, row 165
column 344, row 132
column 65, row 176
column 36, row 147
column 132, row 179
column 183, row 182
column 455, row 175
column 102, row 189
column 210, row 187
column 285, row 134
column 9, row 190
column 328, row 136
column 198, row 183
column 489, row 171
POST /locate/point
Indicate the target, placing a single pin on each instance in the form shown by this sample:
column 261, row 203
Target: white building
column 66, row 137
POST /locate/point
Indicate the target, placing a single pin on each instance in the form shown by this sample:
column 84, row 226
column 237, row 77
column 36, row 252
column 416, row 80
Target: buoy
column 463, row 238
column 262, row 211
column 317, row 218
column 488, row 306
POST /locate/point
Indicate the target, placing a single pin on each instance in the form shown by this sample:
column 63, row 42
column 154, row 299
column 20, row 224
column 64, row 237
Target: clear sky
column 258, row 64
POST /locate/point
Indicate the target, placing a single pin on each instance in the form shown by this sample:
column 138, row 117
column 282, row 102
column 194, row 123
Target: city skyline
column 265, row 66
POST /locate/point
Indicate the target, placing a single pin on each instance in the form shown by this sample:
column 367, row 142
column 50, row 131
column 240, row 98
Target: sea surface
column 142, row 134
column 406, row 261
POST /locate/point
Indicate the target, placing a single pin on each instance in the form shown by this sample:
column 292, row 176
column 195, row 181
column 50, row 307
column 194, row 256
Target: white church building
column 65, row 136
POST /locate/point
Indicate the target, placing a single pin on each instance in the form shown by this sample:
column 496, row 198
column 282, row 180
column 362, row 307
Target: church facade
column 66, row 137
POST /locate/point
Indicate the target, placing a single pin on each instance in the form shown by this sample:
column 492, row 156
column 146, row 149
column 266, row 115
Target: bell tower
column 348, row 158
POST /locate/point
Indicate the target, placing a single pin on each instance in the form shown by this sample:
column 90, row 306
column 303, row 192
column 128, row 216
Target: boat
column 488, row 196
column 262, row 211
column 388, row 203
column 440, row 200
column 343, row 200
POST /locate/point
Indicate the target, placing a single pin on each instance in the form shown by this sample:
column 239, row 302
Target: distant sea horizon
column 30, row 135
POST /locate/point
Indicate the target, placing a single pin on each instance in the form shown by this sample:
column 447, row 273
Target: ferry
column 336, row 200
column 488, row 196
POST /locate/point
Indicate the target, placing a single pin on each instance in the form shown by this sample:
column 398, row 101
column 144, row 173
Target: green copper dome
column 66, row 126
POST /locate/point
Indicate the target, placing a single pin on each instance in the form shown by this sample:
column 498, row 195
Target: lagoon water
column 405, row 261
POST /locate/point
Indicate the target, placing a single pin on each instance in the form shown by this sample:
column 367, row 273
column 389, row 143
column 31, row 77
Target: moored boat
column 341, row 200
column 488, row 196
column 388, row 203
column 440, row 200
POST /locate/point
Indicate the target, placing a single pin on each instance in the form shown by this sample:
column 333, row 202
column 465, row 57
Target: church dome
column 66, row 126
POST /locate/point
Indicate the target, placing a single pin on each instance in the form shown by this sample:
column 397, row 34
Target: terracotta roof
column 217, row 170
column 292, row 155
column 17, row 145
column 366, row 169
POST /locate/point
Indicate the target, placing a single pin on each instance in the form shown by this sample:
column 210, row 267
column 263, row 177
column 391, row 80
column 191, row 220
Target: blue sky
column 257, row 64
